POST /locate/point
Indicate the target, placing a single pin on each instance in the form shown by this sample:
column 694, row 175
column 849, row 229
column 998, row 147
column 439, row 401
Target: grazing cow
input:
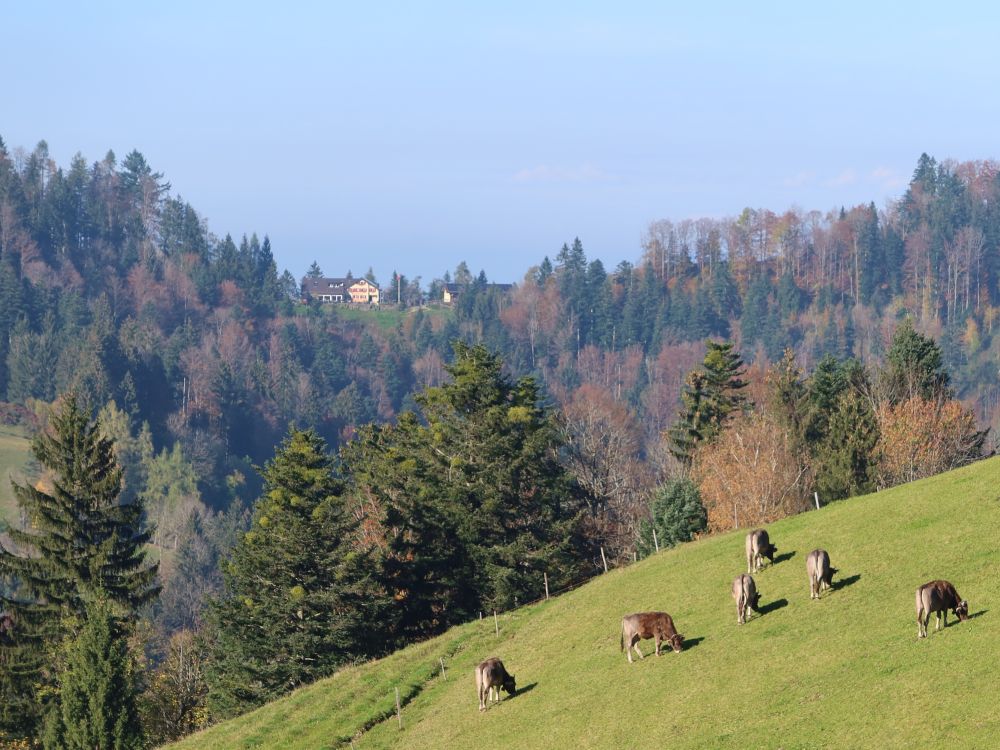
column 746, row 596
column 658, row 625
column 938, row 597
column 820, row 572
column 759, row 547
column 490, row 677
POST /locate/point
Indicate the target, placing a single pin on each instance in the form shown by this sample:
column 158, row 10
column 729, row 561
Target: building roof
column 331, row 286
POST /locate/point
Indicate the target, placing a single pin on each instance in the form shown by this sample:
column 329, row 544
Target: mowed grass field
column 844, row 672
column 15, row 453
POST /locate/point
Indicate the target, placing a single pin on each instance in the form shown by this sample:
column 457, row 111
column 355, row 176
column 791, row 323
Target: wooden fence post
column 816, row 496
column 656, row 542
column 546, row 577
column 496, row 622
column 399, row 714
column 444, row 675
column 604, row 560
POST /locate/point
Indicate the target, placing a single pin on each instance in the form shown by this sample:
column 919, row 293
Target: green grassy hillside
column 15, row 454
column 844, row 672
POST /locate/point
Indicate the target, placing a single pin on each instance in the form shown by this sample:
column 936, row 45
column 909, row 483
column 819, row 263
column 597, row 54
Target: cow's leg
column 635, row 645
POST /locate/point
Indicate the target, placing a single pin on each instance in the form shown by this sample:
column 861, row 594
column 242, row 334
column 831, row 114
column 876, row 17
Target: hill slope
column 846, row 671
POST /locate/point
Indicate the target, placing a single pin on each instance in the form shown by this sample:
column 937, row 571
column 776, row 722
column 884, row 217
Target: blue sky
column 414, row 136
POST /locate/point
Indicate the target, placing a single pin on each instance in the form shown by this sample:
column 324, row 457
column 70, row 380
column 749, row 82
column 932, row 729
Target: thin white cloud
column 550, row 173
column 887, row 178
column 846, row 177
column 799, row 180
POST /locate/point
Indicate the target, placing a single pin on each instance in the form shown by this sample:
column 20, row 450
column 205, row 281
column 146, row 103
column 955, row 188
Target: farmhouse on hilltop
column 359, row 291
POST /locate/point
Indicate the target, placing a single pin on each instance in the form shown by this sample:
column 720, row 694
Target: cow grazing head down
column 755, row 601
column 508, row 685
column 962, row 610
column 768, row 552
column 676, row 642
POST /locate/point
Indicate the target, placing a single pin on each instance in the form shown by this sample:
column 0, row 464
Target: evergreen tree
column 846, row 461
column 915, row 367
column 97, row 689
column 81, row 543
column 295, row 587
column 423, row 566
column 708, row 398
column 677, row 515
column 314, row 272
column 499, row 450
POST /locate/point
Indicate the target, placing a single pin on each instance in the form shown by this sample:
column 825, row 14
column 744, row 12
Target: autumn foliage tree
column 750, row 475
column 919, row 438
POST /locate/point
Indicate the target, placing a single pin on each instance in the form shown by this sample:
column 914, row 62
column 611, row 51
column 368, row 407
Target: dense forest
column 552, row 424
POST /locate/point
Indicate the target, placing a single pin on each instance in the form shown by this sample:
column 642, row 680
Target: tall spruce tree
column 499, row 449
column 80, row 542
column 709, row 397
column 845, row 462
column 295, row 588
column 97, row 688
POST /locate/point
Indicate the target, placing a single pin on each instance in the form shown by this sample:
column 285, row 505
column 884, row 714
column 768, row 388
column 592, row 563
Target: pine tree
column 846, row 461
column 97, row 689
column 315, row 272
column 80, row 542
column 498, row 447
column 294, row 588
column 677, row 515
column 709, row 396
column 915, row 367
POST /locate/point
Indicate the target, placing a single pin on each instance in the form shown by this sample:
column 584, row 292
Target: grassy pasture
column 15, row 453
column 843, row 672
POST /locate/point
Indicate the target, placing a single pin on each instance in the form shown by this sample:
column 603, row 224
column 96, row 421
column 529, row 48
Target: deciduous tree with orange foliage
column 919, row 438
column 750, row 475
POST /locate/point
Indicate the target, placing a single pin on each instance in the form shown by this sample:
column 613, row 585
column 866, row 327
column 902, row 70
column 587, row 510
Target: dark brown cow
column 746, row 596
column 820, row 572
column 641, row 625
column 759, row 547
column 490, row 677
column 938, row 597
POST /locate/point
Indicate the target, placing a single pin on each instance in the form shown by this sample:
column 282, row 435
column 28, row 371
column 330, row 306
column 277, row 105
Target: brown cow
column 759, row 547
column 490, row 677
column 820, row 572
column 938, row 597
column 657, row 625
column 746, row 596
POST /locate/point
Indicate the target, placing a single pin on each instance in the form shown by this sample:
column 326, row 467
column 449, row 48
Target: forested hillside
column 455, row 453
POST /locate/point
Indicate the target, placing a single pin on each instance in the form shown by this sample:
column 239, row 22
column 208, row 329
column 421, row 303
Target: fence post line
column 496, row 622
column 399, row 714
column 546, row 577
column 656, row 542
column 444, row 675
column 604, row 560
column 816, row 496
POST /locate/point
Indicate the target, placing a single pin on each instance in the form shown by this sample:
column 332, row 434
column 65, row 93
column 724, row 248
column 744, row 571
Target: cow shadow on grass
column 690, row 643
column 843, row 583
column 973, row 616
column 777, row 604
column 524, row 689
column 783, row 557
